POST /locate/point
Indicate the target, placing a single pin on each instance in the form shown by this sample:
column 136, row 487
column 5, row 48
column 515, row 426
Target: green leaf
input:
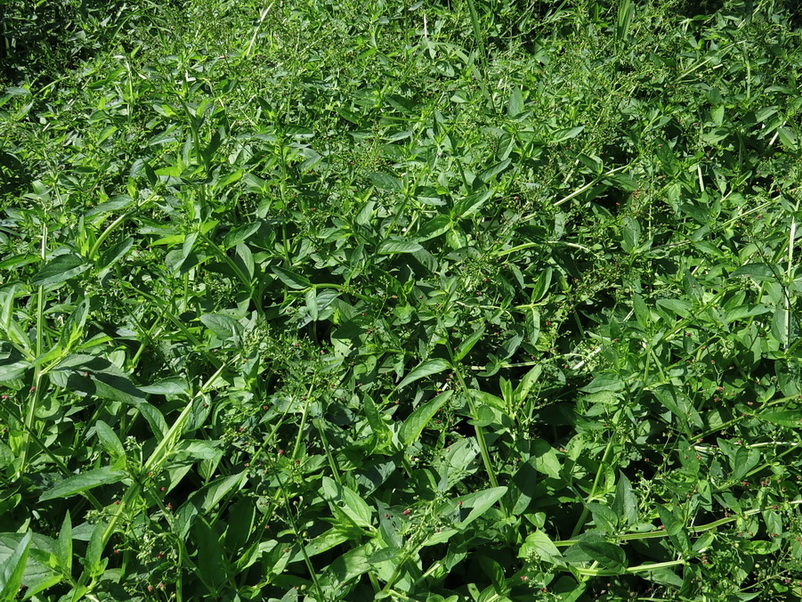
column 94, row 563
column 744, row 461
column 115, row 204
column 479, row 503
column 604, row 382
column 472, row 203
column 632, row 234
column 385, row 181
column 789, row 418
column 545, row 456
column 567, row 134
column 780, row 326
column 290, row 278
column 434, row 228
column 239, row 235
column 540, row 545
column 12, row 363
column 625, row 503
column 95, row 376
column 609, row 556
column 311, row 304
column 417, row 421
column 675, row 529
column 83, row 482
column 108, row 438
column 759, row 272
column 327, row 540
column 516, row 105
column 60, row 269
column 174, row 386
column 466, row 345
column 348, row 501
column 224, row 327
column 205, row 499
column 642, row 313
column 677, row 306
column 424, row 369
column 211, row 554
column 377, row 425
column 388, row 247
column 14, row 569
column 745, row 311
column 494, row 170
column 6, row 455
column 541, row 286
column 64, row 545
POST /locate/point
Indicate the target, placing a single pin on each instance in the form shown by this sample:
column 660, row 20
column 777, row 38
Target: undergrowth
column 464, row 300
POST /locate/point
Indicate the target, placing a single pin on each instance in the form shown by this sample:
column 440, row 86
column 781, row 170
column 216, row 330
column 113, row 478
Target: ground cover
column 469, row 300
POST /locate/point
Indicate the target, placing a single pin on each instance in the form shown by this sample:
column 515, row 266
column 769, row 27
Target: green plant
column 297, row 303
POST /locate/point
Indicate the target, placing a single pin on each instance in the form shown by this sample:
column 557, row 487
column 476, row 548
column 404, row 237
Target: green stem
column 585, row 510
column 480, row 433
column 327, row 448
column 564, row 543
column 33, row 401
column 641, row 568
column 162, row 451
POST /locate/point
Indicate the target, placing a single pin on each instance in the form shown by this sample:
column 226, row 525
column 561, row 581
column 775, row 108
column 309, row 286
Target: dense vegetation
column 410, row 300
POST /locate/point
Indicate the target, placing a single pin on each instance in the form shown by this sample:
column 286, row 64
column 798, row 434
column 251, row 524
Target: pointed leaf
column 60, row 269
column 539, row 544
column 480, row 502
column 418, row 420
column 109, row 439
column 82, row 482
column 385, row 181
column 466, row 345
column 423, row 370
column 625, row 503
column 608, row 555
column 290, row 278
column 64, row 545
column 388, row 247
column 14, row 569
column 224, row 327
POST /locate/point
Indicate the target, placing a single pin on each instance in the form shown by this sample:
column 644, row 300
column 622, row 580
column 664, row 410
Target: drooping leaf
column 424, row 369
column 83, row 482
column 290, row 278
